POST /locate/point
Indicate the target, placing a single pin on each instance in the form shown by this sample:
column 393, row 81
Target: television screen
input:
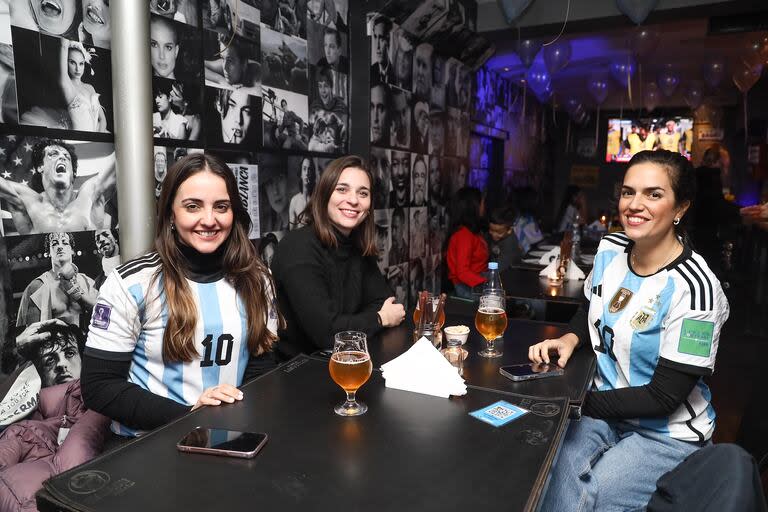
column 629, row 136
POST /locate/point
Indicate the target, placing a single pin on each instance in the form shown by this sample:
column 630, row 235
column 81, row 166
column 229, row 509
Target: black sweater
column 323, row 290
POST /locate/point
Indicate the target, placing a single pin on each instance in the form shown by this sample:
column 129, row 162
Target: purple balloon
column 598, row 88
column 539, row 81
column 623, row 69
column 557, row 55
column 714, row 72
column 693, row 95
column 572, row 105
column 527, row 50
column 668, row 81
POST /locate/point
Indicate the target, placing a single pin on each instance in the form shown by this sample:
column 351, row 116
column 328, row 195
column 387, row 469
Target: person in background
column 526, row 227
column 183, row 326
column 307, row 178
column 467, row 254
column 85, row 110
column 326, row 272
column 573, row 208
column 109, row 250
column 267, row 248
column 654, row 320
column 381, row 70
column 163, row 47
column 502, row 244
column 57, row 355
column 670, row 137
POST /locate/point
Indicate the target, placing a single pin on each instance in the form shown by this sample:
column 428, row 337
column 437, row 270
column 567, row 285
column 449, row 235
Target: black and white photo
column 422, row 20
column 108, row 247
column 381, row 105
column 328, row 112
column 380, row 168
column 419, row 188
column 437, row 95
column 175, row 110
column 382, row 70
column 327, row 47
column 329, row 13
column 304, row 168
column 415, row 279
column 422, row 71
column 247, row 176
column 452, row 129
column 422, row 125
column 286, row 16
column 276, row 188
column 285, row 119
column 402, row 58
column 232, row 63
column 400, row 119
column 438, row 225
column 418, row 232
column 284, row 62
column 436, row 133
column 381, row 221
column 62, row 84
column 401, row 179
column 229, row 17
column 233, row 117
column 49, row 185
column 437, row 182
column 184, row 11
column 398, row 249
column 96, row 27
column 60, row 19
column 9, row 106
column 174, row 50
column 397, row 278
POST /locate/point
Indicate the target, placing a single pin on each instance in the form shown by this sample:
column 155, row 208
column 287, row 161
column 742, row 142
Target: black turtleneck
column 203, row 268
column 323, row 290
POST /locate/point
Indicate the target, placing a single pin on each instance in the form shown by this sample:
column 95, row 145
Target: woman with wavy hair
column 326, row 272
column 182, row 326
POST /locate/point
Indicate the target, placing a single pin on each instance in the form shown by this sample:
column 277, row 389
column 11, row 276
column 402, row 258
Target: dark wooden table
column 408, row 452
column 527, row 284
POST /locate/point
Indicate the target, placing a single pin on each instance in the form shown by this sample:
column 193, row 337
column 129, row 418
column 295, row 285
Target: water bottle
column 492, row 286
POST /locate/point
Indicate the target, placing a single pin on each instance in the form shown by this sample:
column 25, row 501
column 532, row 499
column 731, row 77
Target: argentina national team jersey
column 129, row 320
column 672, row 317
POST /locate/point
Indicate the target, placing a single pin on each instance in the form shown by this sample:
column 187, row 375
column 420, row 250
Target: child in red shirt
column 467, row 254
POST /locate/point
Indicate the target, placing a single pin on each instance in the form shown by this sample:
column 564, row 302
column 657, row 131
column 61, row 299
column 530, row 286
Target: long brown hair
column 316, row 212
column 242, row 267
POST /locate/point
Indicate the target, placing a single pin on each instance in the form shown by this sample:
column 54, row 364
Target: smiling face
column 163, row 47
column 75, row 64
column 96, row 18
column 105, row 243
column 202, row 212
column 325, row 92
column 59, row 249
column 56, row 169
column 237, row 119
column 54, row 16
column 647, row 207
column 400, row 163
column 350, row 200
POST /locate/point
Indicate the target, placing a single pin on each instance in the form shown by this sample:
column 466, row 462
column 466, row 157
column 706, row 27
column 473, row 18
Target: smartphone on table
column 219, row 441
column 528, row 371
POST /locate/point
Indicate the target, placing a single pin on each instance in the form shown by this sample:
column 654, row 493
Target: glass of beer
column 491, row 322
column 350, row 367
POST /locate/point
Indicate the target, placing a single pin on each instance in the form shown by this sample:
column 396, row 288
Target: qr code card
column 499, row 414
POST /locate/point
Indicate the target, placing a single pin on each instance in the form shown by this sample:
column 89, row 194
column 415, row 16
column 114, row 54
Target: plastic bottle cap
column 492, row 265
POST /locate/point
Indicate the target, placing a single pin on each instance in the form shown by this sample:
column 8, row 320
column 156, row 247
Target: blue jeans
column 610, row 466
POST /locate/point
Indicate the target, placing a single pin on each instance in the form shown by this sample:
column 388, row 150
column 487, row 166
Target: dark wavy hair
column 38, row 154
column 316, row 212
column 243, row 268
column 682, row 177
column 465, row 210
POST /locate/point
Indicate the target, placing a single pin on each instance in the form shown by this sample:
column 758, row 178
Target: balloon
column 668, row 81
column 746, row 76
column 636, row 10
column 714, row 72
column 651, row 97
column 693, row 95
column 756, row 52
column 644, row 41
column 557, row 55
column 527, row 50
column 598, row 87
column 513, row 8
column 623, row 69
column 539, row 81
column 572, row 105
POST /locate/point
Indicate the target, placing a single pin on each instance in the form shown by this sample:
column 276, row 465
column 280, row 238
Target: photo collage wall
column 419, row 134
column 262, row 84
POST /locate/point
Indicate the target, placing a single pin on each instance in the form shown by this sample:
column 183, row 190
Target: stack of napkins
column 572, row 273
column 423, row 369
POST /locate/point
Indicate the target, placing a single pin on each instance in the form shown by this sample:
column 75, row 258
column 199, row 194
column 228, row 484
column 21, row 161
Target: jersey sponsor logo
column 100, row 318
column 696, row 337
column 620, row 300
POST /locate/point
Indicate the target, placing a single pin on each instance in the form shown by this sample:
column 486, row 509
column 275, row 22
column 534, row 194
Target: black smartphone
column 528, row 371
column 219, row 441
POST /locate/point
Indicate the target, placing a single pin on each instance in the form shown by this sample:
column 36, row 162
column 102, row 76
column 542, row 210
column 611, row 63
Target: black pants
column 719, row 477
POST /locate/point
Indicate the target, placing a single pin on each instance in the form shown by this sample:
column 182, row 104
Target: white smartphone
column 518, row 372
column 219, row 441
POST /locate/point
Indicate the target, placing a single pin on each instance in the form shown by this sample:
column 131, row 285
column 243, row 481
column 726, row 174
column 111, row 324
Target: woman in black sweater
column 325, row 272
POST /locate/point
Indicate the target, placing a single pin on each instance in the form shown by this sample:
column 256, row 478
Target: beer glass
column 491, row 322
column 350, row 367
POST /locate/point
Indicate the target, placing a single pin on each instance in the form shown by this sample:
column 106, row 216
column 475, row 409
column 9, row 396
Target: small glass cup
column 455, row 354
column 431, row 332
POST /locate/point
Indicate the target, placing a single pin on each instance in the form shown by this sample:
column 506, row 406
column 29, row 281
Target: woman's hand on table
column 562, row 346
column 218, row 394
column 391, row 314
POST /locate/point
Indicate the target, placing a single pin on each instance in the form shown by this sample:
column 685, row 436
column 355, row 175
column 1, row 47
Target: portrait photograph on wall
column 288, row 17
column 62, row 185
column 174, row 50
column 400, row 117
column 328, row 110
column 232, row 117
column 381, row 219
column 285, row 119
column 306, row 172
column 329, row 13
column 398, row 249
column 81, row 96
column 232, row 62
column 328, row 47
column 380, row 162
column 239, row 17
column 400, row 164
column 276, row 188
column 184, row 11
column 284, row 62
column 175, row 110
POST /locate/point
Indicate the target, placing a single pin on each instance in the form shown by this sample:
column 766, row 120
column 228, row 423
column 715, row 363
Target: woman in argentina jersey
column 183, row 326
column 654, row 319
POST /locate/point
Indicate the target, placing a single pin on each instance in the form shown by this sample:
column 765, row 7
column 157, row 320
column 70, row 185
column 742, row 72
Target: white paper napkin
column 573, row 272
column 550, row 256
column 423, row 369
